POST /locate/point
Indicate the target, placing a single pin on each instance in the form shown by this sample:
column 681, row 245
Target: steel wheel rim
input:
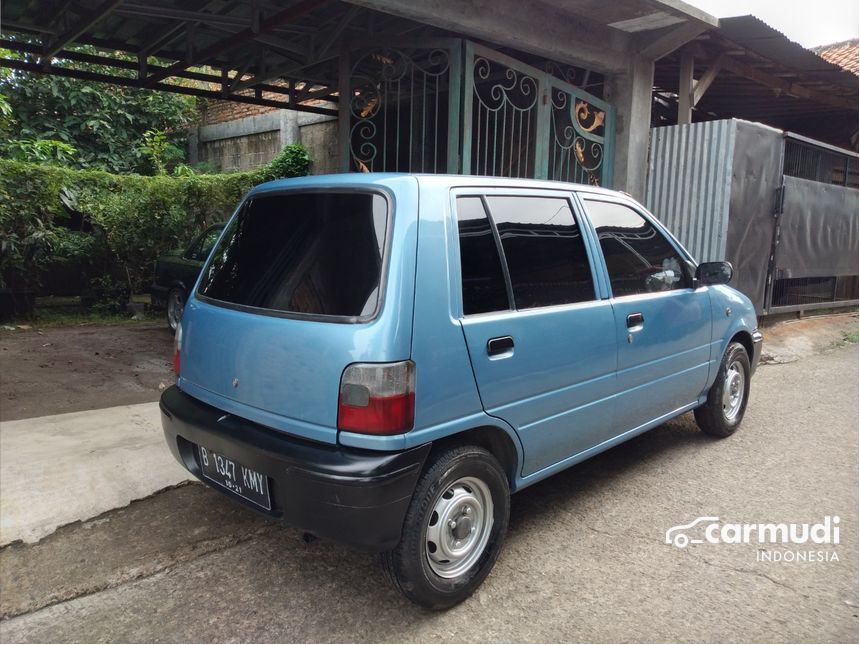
column 174, row 309
column 459, row 527
column 733, row 391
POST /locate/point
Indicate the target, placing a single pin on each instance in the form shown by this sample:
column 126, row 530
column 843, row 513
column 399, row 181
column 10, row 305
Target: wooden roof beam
column 86, row 22
column 231, row 42
column 321, row 55
column 785, row 87
column 701, row 86
column 165, row 87
column 672, row 39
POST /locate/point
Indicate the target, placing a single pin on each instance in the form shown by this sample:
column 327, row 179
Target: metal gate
column 403, row 111
column 520, row 121
column 449, row 105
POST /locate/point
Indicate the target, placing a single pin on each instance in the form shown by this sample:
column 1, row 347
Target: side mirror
column 714, row 273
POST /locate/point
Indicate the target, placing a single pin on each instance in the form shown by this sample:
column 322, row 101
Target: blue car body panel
column 285, row 372
column 577, row 381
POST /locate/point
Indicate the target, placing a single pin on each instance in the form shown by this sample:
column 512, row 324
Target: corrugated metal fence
column 739, row 191
column 689, row 184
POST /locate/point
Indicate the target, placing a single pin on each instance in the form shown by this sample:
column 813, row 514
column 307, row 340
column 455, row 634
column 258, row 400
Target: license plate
column 235, row 477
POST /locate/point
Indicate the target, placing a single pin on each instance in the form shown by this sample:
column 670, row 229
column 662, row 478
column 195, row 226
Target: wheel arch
column 178, row 283
column 493, row 439
column 744, row 338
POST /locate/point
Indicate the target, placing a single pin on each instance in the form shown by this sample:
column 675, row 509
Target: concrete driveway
column 585, row 558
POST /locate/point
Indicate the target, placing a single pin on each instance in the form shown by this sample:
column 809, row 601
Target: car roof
column 437, row 180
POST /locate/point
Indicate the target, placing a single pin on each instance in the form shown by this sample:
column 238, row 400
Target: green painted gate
column 454, row 106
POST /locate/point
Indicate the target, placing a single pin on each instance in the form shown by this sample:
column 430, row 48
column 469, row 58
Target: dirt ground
column 69, row 369
column 788, row 338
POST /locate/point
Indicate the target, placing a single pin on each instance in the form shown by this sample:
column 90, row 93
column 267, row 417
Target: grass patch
column 848, row 338
column 68, row 312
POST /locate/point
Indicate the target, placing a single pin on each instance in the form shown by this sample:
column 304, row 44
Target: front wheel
column 454, row 528
column 724, row 410
column 175, row 306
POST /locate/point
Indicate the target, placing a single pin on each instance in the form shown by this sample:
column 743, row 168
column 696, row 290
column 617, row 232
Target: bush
column 292, row 161
column 106, row 295
column 113, row 226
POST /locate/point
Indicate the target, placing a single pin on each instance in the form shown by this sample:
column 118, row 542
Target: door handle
column 635, row 320
column 499, row 345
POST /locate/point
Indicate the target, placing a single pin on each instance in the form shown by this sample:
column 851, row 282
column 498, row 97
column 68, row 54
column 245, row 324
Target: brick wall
column 213, row 111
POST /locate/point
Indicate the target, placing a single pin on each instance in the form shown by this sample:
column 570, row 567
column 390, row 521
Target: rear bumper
column 757, row 345
column 357, row 497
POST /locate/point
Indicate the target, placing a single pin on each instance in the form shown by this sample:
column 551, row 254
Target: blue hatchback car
column 383, row 358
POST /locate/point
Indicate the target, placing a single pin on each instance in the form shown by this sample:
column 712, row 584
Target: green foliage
column 292, row 161
column 24, row 251
column 106, row 295
column 183, row 170
column 159, row 152
column 40, row 151
column 107, row 225
column 105, row 124
column 6, row 120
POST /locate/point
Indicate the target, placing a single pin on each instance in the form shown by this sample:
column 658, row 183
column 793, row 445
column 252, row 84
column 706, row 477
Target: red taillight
column 177, row 349
column 377, row 398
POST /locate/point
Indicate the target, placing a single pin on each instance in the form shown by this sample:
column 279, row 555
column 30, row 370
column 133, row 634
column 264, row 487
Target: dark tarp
column 756, row 170
column 818, row 231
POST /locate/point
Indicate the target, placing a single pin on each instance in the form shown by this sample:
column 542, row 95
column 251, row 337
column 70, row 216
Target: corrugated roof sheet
column 758, row 36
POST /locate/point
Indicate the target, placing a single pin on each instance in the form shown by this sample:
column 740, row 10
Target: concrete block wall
column 235, row 136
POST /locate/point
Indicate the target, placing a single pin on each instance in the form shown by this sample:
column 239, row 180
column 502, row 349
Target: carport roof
column 761, row 75
column 283, row 53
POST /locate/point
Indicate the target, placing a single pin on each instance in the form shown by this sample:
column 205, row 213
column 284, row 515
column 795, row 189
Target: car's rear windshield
column 314, row 253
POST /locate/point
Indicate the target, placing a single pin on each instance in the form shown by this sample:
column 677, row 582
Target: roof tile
column 844, row 54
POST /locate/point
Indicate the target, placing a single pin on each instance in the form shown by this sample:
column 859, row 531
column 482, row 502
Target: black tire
column 408, row 566
column 712, row 417
column 172, row 295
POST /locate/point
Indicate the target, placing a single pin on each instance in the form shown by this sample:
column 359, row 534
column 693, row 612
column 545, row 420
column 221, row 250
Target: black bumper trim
column 757, row 345
column 358, row 497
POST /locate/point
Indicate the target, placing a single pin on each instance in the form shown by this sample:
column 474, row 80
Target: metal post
column 468, row 91
column 455, row 90
column 343, row 107
column 685, row 88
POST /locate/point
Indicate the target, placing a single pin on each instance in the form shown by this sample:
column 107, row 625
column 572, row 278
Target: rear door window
column 481, row 274
column 314, row 253
column 544, row 250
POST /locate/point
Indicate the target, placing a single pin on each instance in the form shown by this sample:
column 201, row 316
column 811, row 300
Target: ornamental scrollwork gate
column 454, row 106
column 403, row 108
column 520, row 121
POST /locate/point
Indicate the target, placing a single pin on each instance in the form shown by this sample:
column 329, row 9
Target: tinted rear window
column 304, row 253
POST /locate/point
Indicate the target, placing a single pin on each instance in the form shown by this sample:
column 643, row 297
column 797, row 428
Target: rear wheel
column 454, row 528
column 724, row 410
column 175, row 306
